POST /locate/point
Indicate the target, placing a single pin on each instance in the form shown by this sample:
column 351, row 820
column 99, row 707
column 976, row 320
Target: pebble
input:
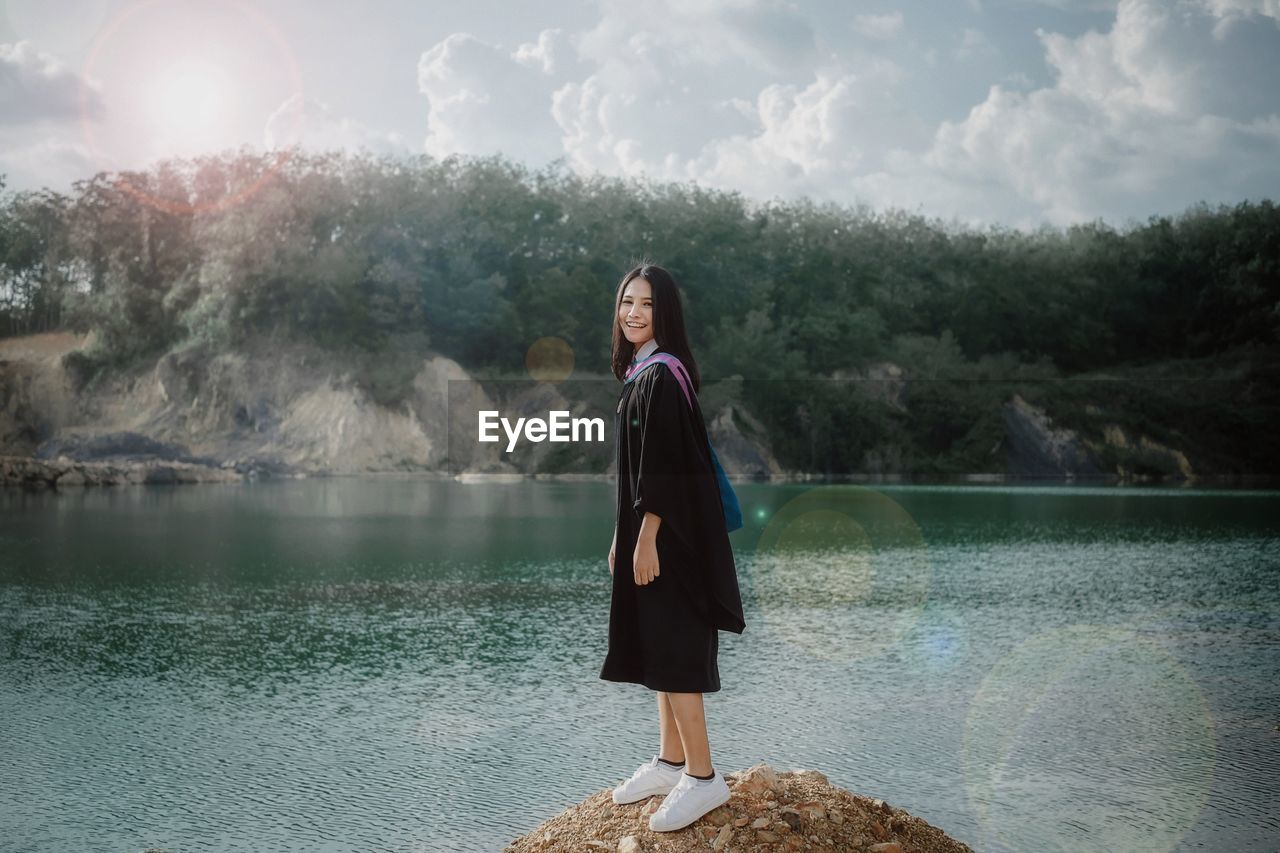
column 885, row 847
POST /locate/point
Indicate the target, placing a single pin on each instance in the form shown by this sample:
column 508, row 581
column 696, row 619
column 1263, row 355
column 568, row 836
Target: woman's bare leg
column 671, row 748
column 692, row 723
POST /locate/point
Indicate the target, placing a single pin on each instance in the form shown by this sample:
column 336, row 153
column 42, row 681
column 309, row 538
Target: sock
column 672, row 763
column 706, row 778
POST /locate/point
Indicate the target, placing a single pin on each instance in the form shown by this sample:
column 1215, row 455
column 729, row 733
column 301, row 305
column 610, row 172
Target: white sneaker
column 689, row 800
column 652, row 777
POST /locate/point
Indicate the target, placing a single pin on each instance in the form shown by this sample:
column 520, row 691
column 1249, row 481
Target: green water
column 399, row 664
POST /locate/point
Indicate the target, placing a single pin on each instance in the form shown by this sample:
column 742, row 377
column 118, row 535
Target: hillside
column 278, row 408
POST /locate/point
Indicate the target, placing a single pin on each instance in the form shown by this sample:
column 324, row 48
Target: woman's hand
column 645, row 560
column 613, row 549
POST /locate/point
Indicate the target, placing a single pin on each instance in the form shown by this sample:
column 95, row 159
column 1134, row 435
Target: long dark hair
column 668, row 322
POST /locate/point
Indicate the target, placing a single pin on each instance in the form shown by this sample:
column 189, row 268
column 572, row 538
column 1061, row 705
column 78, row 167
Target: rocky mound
column 768, row 810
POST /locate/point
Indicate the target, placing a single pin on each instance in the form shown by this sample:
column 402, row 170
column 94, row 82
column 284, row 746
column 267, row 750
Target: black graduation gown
column 664, row 634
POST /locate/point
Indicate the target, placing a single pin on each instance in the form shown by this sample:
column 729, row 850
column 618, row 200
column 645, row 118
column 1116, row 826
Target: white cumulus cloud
column 484, row 99
column 1131, row 127
column 314, row 125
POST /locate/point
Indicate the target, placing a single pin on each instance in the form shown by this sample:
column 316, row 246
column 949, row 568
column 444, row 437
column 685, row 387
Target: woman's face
column 635, row 314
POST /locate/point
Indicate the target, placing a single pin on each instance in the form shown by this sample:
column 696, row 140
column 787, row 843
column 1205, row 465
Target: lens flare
column 1072, row 706
column 195, row 97
column 189, row 99
column 841, row 572
column 549, row 359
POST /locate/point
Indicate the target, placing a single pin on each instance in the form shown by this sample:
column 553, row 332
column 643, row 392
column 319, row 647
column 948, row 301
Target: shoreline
column 65, row 472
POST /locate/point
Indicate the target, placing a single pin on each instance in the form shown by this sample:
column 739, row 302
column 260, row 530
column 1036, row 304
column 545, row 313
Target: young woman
column 674, row 581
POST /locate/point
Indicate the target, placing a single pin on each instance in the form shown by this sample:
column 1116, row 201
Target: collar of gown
column 646, row 350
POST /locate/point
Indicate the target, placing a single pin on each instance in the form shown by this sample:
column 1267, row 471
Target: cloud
column 670, row 79
column 745, row 96
column 1130, row 127
column 647, row 120
column 1231, row 12
column 1245, row 8
column 878, row 26
column 44, row 163
column 740, row 95
column 1070, row 5
column 973, row 44
column 485, row 100
column 817, row 138
column 37, row 86
column 547, row 54
column 313, row 124
column 640, row 92
column 760, row 35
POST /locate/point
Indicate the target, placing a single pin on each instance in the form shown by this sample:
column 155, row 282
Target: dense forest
column 477, row 258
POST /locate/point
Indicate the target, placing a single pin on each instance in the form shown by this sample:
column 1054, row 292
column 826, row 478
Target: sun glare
column 189, row 101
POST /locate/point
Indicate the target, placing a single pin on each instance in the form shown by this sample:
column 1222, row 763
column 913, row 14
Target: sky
column 1013, row 112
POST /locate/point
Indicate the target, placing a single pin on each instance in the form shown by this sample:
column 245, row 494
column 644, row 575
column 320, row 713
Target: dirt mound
column 768, row 810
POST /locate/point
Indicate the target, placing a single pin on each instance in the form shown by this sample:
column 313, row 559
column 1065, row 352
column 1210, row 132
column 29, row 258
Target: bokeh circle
column 549, row 359
column 1068, row 711
column 841, row 573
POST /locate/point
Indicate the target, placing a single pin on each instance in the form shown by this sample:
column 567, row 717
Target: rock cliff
column 271, row 408
column 1037, row 448
column 268, row 408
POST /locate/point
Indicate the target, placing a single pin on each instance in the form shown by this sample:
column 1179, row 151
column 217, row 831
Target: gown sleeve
column 664, row 466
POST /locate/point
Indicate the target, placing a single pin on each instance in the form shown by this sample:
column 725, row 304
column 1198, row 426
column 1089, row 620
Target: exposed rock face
column 883, row 381
column 536, row 400
column 36, row 397
column 767, row 810
column 268, row 408
column 1035, row 448
column 1145, row 456
column 280, row 409
column 743, row 452
column 888, row 384
column 293, row 409
column 63, row 472
column 295, row 404
column 78, row 444
column 430, row 407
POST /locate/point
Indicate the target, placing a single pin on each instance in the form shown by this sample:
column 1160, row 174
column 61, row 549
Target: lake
column 410, row 664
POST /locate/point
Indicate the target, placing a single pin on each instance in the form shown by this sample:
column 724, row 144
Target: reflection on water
column 396, row 664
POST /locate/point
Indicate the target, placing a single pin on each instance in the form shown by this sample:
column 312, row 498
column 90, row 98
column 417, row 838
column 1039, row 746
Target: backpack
column 728, row 499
